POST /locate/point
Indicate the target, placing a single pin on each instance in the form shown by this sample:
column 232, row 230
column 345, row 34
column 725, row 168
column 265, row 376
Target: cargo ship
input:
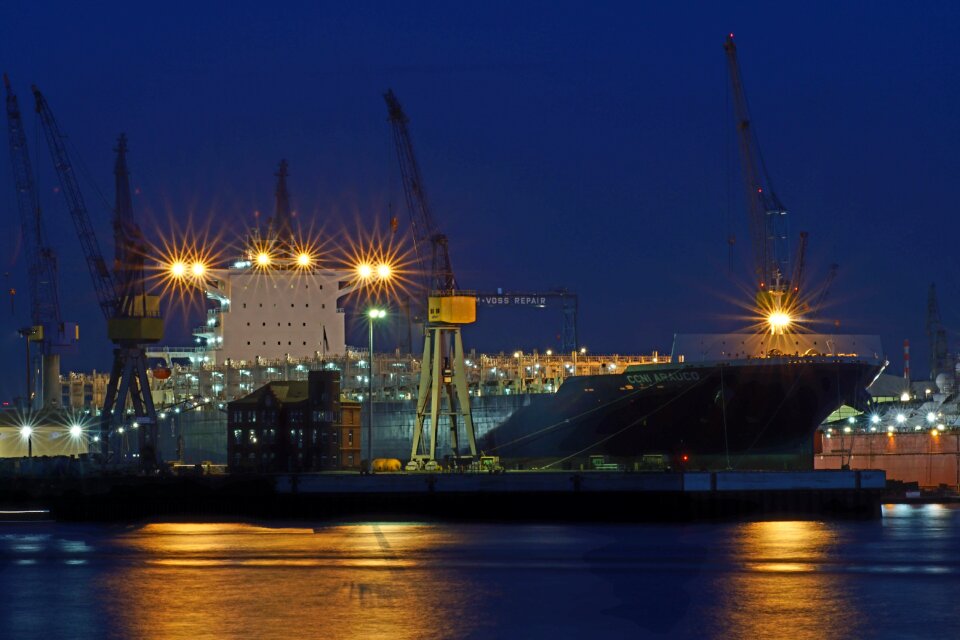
column 728, row 401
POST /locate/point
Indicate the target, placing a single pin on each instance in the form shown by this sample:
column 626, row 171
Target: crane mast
column 54, row 336
column 768, row 216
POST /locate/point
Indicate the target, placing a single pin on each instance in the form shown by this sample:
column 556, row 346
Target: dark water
column 895, row 578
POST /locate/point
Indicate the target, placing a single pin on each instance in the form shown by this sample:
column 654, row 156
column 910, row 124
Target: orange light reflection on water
column 787, row 587
column 237, row 580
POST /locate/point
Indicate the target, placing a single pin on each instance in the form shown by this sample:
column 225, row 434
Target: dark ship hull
column 757, row 413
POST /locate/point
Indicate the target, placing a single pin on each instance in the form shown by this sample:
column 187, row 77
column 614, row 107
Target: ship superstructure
column 274, row 314
column 278, row 300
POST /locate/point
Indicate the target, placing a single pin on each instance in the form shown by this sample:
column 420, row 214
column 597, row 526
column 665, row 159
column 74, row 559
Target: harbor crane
column 54, row 336
column 443, row 387
column 776, row 283
column 133, row 316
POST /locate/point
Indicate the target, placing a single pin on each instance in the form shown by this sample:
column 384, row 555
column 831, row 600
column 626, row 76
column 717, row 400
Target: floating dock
column 511, row 496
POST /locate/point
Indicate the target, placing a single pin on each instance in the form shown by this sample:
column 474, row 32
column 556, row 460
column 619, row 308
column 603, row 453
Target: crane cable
column 629, row 426
column 568, row 421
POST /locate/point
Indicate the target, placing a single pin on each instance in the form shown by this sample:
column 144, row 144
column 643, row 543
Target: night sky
column 562, row 145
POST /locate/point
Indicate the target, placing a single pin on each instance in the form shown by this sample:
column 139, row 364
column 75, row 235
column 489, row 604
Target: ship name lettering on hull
column 654, row 378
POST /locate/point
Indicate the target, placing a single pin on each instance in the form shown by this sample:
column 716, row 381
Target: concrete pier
column 512, row 496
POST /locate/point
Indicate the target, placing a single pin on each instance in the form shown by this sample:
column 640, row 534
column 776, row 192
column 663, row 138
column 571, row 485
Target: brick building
column 296, row 425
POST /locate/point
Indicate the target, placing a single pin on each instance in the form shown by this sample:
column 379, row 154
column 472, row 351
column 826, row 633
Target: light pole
column 26, row 431
column 518, row 355
column 372, row 314
column 28, row 333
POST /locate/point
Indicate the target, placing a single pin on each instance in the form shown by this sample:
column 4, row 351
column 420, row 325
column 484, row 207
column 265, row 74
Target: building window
column 244, row 305
column 350, row 438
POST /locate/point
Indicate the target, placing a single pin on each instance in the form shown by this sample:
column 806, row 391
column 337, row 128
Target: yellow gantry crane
column 443, row 390
column 133, row 316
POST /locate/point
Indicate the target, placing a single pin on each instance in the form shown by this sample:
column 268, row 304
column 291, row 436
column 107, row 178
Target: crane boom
column 42, row 260
column 799, row 263
column 768, row 216
column 102, row 279
column 424, row 228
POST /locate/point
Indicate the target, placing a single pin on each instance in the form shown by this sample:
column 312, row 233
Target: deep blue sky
column 586, row 146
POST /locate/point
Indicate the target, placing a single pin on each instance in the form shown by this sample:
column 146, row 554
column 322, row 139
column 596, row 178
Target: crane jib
column 102, row 278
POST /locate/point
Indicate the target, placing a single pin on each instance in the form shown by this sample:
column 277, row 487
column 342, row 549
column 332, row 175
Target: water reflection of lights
column 784, row 578
column 246, row 577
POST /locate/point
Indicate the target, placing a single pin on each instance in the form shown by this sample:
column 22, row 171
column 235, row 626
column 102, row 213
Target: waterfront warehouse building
column 295, row 425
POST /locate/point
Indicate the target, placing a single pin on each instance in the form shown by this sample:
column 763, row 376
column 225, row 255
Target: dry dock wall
column 922, row 457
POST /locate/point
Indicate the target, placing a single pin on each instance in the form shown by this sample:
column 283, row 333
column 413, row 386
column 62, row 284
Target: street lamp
column 26, row 432
column 372, row 314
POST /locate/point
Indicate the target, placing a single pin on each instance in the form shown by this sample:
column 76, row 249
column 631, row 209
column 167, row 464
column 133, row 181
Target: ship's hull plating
column 749, row 414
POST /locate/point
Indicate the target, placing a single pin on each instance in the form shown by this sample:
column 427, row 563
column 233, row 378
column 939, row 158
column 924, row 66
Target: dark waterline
column 893, row 578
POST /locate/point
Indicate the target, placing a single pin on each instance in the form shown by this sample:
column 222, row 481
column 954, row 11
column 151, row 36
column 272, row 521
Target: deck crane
column 55, row 337
column 768, row 216
column 443, row 387
column 133, row 317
